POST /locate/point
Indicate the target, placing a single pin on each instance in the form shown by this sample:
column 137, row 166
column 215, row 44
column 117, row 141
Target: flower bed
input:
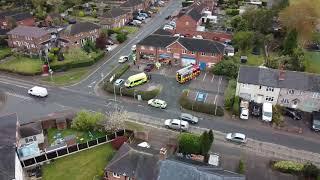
column 290, row 167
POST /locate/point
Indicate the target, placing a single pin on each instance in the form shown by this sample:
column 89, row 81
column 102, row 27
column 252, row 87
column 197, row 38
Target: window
column 129, row 178
column 270, row 89
column 203, row 53
column 269, row 98
column 116, row 175
column 212, row 54
column 168, row 49
column 285, row 101
column 31, row 139
column 290, row 91
column 260, row 87
column 184, row 51
column 246, row 86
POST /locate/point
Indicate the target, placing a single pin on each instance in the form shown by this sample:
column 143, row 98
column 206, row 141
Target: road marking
column 215, row 98
column 204, row 77
column 11, row 83
column 212, row 78
column 196, row 96
column 18, row 96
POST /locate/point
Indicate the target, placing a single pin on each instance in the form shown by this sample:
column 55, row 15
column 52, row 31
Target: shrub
column 121, row 37
column 241, row 167
column 229, row 94
column 288, row 167
column 189, row 143
column 86, row 121
column 226, row 68
column 310, row 171
column 232, row 12
column 118, row 141
column 81, row 14
column 236, row 106
column 277, row 117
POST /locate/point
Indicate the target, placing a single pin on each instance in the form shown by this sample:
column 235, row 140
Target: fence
column 68, row 150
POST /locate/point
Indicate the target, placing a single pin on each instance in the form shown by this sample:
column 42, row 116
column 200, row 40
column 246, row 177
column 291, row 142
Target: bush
column 229, row 94
column 118, row 141
column 207, row 108
column 236, row 106
column 81, row 14
column 288, row 167
column 232, row 12
column 277, row 117
column 310, row 171
column 241, row 167
column 226, row 68
column 86, row 120
column 189, row 143
column 121, row 37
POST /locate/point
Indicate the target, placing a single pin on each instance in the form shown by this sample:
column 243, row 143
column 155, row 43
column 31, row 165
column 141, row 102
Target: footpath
column 260, row 148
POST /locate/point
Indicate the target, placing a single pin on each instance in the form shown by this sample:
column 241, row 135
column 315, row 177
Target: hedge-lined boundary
column 207, row 108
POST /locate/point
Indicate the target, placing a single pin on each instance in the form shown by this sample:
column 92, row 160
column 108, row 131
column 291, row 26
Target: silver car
column 189, row 118
column 176, row 124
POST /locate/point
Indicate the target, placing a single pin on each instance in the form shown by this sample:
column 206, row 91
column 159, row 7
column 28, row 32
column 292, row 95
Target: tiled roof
column 30, row 129
column 161, row 31
column 131, row 3
column 29, row 31
column 114, row 12
column 77, row 28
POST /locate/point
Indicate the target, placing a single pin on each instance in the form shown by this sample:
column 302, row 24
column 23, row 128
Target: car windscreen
column 267, row 114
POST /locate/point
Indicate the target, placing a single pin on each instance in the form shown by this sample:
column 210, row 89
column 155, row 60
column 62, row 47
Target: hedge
column 232, row 12
column 229, row 94
column 236, row 106
column 288, row 167
column 207, row 108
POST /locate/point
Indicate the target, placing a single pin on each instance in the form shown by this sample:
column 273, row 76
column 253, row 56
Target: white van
column 38, row 91
column 267, row 112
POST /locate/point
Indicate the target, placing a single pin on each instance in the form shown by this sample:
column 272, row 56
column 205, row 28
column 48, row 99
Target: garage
column 185, row 61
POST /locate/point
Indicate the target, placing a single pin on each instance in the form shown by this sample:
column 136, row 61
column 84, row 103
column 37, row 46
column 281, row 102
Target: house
column 10, row 166
column 31, row 133
column 133, row 162
column 286, row 88
column 179, row 50
column 75, row 35
column 28, row 39
column 115, row 18
column 10, row 19
column 135, row 5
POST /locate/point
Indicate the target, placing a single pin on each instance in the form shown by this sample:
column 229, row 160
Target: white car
column 244, row 113
column 197, row 37
column 172, row 23
column 108, row 48
column 123, row 59
column 136, row 22
column 165, row 27
column 157, row 103
column 118, row 82
column 38, row 91
column 236, row 137
column 176, row 124
column 134, row 48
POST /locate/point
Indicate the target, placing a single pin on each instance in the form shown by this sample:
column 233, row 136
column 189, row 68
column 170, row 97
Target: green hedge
column 236, row 106
column 232, row 12
column 186, row 103
column 288, row 167
column 229, row 94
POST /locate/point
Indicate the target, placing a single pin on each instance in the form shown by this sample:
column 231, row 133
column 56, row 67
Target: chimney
column 163, row 153
column 282, row 73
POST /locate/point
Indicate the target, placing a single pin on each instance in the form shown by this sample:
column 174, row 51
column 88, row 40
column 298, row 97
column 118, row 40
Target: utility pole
column 114, row 92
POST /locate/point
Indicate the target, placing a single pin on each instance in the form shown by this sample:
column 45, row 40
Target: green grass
column 68, row 77
column 75, row 55
column 88, row 19
column 86, row 165
column 22, row 65
column 79, row 134
column 4, row 52
column 133, row 126
column 129, row 29
column 253, row 60
column 312, row 62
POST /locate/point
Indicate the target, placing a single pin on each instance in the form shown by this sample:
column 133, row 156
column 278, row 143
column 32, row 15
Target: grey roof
column 29, row 31
column 270, row 77
column 161, row 31
column 79, row 27
column 181, row 169
column 131, row 3
column 30, row 129
column 198, row 45
column 115, row 12
column 7, row 146
column 194, row 11
column 140, row 163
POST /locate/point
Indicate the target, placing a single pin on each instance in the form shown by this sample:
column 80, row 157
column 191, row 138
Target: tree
column 259, row 19
column 239, row 24
column 101, row 41
column 115, row 120
column 277, row 117
column 290, row 42
column 229, row 94
column 211, row 136
column 303, row 16
column 236, row 106
column 226, row 68
column 205, row 144
column 310, row 170
column 89, row 46
column 189, row 143
column 243, row 40
column 55, row 4
column 87, row 121
column 296, row 60
column 121, row 37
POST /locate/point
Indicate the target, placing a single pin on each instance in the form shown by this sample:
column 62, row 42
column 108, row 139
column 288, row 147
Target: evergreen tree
column 290, row 43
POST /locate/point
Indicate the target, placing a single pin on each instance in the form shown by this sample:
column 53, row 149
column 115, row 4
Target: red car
column 149, row 67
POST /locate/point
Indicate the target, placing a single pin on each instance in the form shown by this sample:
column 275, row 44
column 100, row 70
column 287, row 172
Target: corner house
column 179, row 51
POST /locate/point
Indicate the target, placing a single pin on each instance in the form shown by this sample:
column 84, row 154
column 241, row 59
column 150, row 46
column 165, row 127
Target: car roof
column 159, row 100
column 239, row 135
column 186, row 114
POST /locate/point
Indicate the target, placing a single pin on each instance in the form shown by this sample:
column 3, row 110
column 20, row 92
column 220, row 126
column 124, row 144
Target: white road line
column 18, row 96
column 205, row 98
column 9, row 83
column 212, row 78
column 215, row 98
column 204, row 77
column 196, row 96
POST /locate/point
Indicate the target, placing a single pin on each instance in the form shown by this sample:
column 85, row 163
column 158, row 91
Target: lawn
column 88, row 19
column 129, row 29
column 68, row 77
column 312, row 62
column 82, row 136
column 4, row 52
column 23, row 65
column 86, row 165
column 75, row 55
column 253, row 60
column 134, row 126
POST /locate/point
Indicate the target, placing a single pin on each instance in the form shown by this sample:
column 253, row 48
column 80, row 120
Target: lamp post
column 114, row 92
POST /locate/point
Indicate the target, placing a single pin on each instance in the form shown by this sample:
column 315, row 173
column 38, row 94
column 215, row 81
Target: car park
column 158, row 103
column 38, row 91
column 123, row 59
column 148, row 68
column 315, row 118
column 236, row 137
column 189, row 118
column 176, row 124
column 118, row 82
column 294, row 114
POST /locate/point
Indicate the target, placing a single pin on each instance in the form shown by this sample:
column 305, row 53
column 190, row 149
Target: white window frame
column 169, row 49
column 270, row 89
column 290, row 91
column 203, row 53
column 115, row 175
column 285, row 101
column 184, row 51
column 269, row 98
column 315, row 95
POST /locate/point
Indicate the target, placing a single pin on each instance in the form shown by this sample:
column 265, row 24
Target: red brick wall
column 23, row 40
column 77, row 38
column 184, row 24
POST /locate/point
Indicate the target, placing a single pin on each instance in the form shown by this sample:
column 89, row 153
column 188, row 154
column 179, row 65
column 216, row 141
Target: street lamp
column 114, row 92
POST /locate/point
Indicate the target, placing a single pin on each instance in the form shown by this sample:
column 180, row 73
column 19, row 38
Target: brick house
column 134, row 5
column 75, row 35
column 28, row 39
column 115, row 18
column 9, row 19
column 179, row 51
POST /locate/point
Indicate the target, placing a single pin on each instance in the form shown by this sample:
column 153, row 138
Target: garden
column 22, row 65
column 66, row 78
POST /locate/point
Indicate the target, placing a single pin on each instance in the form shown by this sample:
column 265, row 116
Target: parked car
column 256, row 110
column 108, row 48
column 149, row 67
column 244, row 113
column 133, row 48
column 197, row 37
column 167, row 27
column 176, row 124
column 38, row 91
column 118, row 82
column 172, row 23
column 158, row 103
column 136, row 22
column 123, row 59
column 140, row 18
column 189, row 118
column 143, row 15
column 294, row 114
column 168, row 17
column 236, row 137
column 315, row 118
column 109, row 42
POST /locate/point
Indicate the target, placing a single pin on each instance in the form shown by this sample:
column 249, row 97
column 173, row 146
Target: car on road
column 38, row 91
column 176, row 124
column 236, row 137
column 158, row 103
column 244, row 113
column 189, row 118
column 294, row 114
column 149, row 67
column 315, row 118
column 123, row 59
column 118, row 82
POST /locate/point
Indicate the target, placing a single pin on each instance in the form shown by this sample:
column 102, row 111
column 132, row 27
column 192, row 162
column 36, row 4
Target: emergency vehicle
column 187, row 73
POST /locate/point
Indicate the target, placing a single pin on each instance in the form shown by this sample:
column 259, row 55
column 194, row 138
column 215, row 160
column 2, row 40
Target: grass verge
column 22, row 65
column 66, row 78
column 88, row 164
column 5, row 52
column 134, row 126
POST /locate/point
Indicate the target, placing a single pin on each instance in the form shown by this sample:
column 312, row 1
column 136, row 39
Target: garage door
column 187, row 61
